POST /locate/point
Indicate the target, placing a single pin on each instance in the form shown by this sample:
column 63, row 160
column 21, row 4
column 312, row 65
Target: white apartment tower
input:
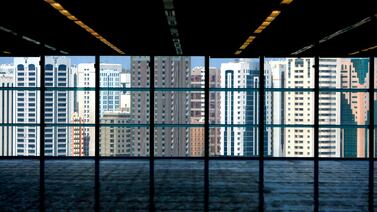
column 86, row 101
column 233, row 75
column 274, row 105
column 110, row 78
column 57, row 106
column 125, row 96
column 329, row 139
column 27, row 74
column 7, row 112
column 299, row 107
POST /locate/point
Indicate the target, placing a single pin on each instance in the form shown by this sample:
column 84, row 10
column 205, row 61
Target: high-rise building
column 233, row 110
column 78, row 142
column 274, row 73
column 125, row 96
column 251, row 147
column 172, row 107
column 140, row 105
column 289, row 107
column 335, row 108
column 375, row 105
column 110, row 78
column 214, row 112
column 27, row 73
column 354, row 106
column 115, row 141
column 197, row 112
column 299, row 107
column 73, row 78
column 57, row 106
column 329, row 139
column 86, row 101
column 7, row 113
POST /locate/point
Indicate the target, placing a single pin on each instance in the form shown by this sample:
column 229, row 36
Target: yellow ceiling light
column 90, row 30
column 80, row 23
column 275, row 13
column 95, row 34
column 71, row 17
column 270, row 19
column 244, row 46
column 265, row 23
column 263, row 26
column 286, row 1
column 57, row 6
column 65, row 12
column 258, row 31
column 250, row 38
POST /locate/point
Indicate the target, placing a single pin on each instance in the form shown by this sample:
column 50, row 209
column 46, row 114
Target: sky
column 6, row 60
column 125, row 60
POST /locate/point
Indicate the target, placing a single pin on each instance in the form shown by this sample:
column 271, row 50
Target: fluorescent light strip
column 8, row 30
column 31, row 40
column 27, row 39
column 286, row 1
column 67, row 14
column 172, row 22
column 259, row 30
column 353, row 53
column 344, row 30
column 339, row 32
column 303, row 49
column 50, row 47
column 370, row 48
column 364, row 50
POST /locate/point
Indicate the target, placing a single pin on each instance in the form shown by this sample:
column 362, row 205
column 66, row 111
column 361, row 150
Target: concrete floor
column 179, row 185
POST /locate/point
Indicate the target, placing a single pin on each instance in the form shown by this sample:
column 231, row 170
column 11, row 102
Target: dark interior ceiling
column 215, row 28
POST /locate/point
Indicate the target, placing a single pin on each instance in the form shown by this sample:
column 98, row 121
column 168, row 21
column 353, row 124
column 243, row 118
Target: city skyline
column 294, row 108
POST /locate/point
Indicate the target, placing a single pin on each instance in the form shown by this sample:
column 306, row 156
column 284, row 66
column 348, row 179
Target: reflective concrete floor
column 179, row 185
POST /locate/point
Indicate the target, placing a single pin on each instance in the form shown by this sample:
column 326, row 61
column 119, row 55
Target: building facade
column 233, row 110
column 86, row 101
column 275, row 73
column 27, row 74
column 110, row 78
column 140, row 105
column 7, row 110
column 330, row 110
column 79, row 144
column 172, row 107
column 197, row 112
column 354, row 106
column 251, row 141
column 125, row 96
column 57, row 106
column 214, row 112
column 115, row 140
